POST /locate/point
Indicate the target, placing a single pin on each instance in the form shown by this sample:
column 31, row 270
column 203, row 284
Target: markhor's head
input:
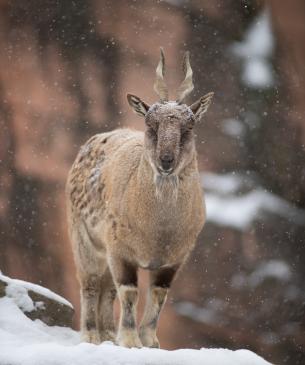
column 169, row 137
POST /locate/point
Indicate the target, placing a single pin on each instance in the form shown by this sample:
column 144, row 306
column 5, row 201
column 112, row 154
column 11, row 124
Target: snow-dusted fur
column 134, row 200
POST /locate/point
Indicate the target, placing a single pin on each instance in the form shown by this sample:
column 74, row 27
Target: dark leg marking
column 160, row 281
column 164, row 277
column 90, row 324
column 125, row 273
column 125, row 277
column 128, row 308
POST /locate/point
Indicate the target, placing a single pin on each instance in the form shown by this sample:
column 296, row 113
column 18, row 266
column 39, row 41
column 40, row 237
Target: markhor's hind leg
column 105, row 308
column 90, row 289
column 90, row 268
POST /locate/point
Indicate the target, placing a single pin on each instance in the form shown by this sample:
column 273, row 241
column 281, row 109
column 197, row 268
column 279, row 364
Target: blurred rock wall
column 65, row 69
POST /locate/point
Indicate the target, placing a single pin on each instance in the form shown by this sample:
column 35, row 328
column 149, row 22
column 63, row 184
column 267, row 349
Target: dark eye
column 185, row 135
column 153, row 133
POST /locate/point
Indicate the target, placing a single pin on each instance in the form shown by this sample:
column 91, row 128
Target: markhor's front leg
column 160, row 282
column 125, row 278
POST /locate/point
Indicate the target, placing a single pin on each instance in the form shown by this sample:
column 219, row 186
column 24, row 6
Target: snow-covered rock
column 37, row 302
column 27, row 342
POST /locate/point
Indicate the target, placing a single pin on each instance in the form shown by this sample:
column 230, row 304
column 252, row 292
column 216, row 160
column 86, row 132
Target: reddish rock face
column 65, row 70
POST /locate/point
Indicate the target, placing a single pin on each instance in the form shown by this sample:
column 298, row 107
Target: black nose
column 167, row 161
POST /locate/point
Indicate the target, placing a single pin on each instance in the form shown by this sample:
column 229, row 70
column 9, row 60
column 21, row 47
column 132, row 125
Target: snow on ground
column 226, row 207
column 27, row 342
column 17, row 289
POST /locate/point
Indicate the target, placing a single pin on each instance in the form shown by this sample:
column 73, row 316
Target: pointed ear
column 202, row 105
column 137, row 105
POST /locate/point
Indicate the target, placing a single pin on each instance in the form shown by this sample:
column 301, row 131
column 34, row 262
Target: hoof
column 129, row 340
column 91, row 337
column 149, row 339
column 107, row 336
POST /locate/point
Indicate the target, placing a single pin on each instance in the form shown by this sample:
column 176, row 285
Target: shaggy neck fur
column 166, row 186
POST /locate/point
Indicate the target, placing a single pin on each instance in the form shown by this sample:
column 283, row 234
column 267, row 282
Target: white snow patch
column 198, row 314
column 255, row 51
column 276, row 269
column 27, row 342
column 233, row 127
column 226, row 208
column 19, row 288
column 208, row 314
column 240, row 212
column 20, row 296
column 257, row 73
column 221, row 183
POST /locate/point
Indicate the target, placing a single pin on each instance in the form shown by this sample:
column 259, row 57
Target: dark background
column 65, row 69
